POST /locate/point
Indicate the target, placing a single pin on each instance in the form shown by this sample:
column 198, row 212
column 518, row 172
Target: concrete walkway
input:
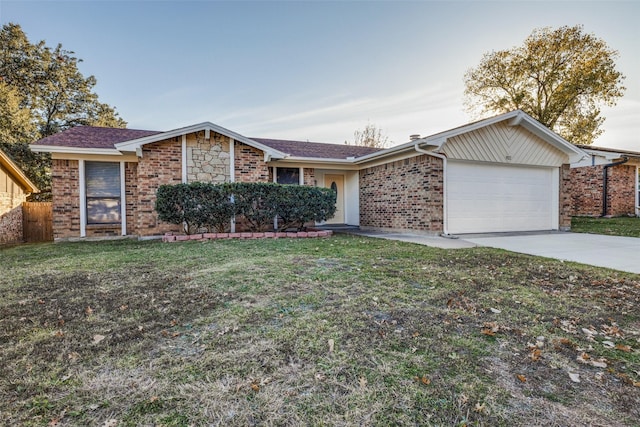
column 618, row 253
column 421, row 239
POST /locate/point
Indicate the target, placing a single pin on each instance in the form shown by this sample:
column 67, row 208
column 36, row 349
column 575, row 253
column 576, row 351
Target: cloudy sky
column 313, row 70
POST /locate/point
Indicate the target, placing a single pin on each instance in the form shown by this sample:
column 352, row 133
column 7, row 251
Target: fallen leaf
column 480, row 407
column 574, row 377
column 97, row 338
column 522, row 378
column 598, row 364
column 255, row 387
column 153, row 399
column 622, row 347
column 88, row 311
column 331, row 345
column 535, row 354
column 362, row 382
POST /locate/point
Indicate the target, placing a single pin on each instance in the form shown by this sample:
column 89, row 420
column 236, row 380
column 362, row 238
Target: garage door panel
column 494, row 198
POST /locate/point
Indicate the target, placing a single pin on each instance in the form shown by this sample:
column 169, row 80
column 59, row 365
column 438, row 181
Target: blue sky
column 313, row 70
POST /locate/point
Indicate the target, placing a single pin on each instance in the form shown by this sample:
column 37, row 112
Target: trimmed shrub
column 298, row 205
column 212, row 206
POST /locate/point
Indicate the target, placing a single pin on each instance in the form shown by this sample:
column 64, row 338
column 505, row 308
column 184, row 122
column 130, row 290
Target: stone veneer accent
column 208, row 161
column 11, row 226
column 586, row 190
column 249, row 164
column 403, row 195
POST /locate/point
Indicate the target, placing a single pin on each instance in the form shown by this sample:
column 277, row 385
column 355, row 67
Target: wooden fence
column 37, row 221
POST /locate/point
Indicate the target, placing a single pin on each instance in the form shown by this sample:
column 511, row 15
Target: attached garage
column 499, row 198
column 507, row 173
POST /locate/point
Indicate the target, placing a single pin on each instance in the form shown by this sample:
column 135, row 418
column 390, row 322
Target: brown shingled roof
column 93, row 137
column 317, row 150
column 102, row 137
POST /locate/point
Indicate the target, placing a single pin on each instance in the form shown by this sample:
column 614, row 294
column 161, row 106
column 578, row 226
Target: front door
column 336, row 183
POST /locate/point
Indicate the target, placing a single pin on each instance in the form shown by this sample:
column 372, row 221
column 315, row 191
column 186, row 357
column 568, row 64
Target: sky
column 313, row 70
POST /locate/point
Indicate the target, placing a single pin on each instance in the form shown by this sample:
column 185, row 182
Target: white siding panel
column 499, row 198
column 501, row 143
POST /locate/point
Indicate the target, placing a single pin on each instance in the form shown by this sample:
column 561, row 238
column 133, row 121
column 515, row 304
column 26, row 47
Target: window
column 288, row 176
column 103, row 192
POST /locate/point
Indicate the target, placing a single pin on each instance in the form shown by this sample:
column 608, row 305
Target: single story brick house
column 14, row 189
column 606, row 183
column 505, row 173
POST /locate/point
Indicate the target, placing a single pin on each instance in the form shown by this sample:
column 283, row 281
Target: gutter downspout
column 445, row 231
column 605, row 178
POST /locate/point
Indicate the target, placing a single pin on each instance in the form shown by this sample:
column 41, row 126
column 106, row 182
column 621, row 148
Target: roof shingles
column 91, row 137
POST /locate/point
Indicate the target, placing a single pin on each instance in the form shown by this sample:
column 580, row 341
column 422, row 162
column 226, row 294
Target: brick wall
column 565, row 201
column 65, row 181
column 403, row 195
column 161, row 163
column 249, row 164
column 586, row 190
column 11, row 226
column 131, row 196
column 309, row 176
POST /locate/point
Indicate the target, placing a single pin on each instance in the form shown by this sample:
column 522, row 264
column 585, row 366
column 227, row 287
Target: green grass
column 618, row 226
column 339, row 331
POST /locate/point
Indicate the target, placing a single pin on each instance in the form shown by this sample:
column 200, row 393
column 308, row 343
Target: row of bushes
column 200, row 206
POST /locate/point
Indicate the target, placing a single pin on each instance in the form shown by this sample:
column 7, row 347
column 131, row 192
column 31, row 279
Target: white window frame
column 83, row 197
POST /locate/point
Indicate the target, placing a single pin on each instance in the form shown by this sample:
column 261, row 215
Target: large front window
column 103, row 192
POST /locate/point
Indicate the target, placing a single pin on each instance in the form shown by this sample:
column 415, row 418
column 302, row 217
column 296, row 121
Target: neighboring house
column 14, row 184
column 14, row 189
column 606, row 183
column 505, row 173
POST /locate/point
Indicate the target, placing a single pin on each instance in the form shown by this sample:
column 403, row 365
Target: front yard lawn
column 618, row 226
column 339, row 331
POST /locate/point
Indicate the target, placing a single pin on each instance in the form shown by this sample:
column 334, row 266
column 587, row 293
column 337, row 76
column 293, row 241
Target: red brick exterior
column 161, row 163
column 11, row 230
column 565, row 202
column 586, row 190
column 249, row 164
column 65, row 182
column 403, row 195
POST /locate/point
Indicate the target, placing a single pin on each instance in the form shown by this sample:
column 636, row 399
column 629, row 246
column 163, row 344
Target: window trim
column 82, row 175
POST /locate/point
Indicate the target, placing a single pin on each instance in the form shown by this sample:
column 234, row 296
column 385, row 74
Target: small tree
column 370, row 136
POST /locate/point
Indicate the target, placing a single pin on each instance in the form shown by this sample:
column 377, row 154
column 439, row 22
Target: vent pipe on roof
column 414, row 136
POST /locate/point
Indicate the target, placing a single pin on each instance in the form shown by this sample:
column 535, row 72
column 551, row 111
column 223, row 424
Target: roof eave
column 74, row 150
column 575, row 153
column 134, row 144
column 17, row 173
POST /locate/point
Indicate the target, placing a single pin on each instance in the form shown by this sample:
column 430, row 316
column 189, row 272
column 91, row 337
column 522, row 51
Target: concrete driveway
column 619, row 253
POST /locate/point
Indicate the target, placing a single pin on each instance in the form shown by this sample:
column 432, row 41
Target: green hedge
column 212, row 206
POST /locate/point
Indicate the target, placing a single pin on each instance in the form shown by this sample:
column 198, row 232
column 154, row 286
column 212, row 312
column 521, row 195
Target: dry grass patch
column 342, row 331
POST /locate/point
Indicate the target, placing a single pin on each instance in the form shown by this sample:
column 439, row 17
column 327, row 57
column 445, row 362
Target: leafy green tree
column 561, row 77
column 43, row 92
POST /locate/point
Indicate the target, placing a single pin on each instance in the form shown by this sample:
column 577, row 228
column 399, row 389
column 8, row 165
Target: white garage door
column 493, row 198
